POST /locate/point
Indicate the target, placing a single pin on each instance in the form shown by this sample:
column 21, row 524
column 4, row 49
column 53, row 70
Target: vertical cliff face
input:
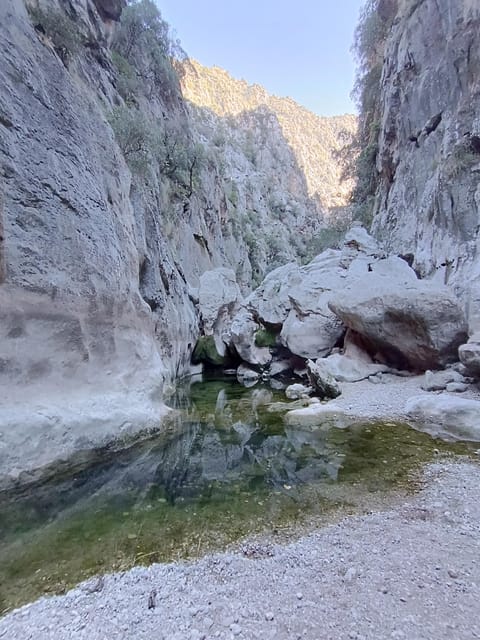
column 114, row 199
column 428, row 200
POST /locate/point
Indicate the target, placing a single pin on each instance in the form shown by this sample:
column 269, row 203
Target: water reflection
column 225, row 468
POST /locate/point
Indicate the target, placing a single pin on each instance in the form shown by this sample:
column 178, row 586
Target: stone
column 344, row 368
column 310, row 329
column 315, row 414
column 218, row 297
column 469, row 355
column 411, row 323
column 242, row 336
column 456, row 387
column 438, row 380
column 246, row 376
column 279, row 367
column 446, row 416
column 270, row 302
column 297, row 391
column 321, row 379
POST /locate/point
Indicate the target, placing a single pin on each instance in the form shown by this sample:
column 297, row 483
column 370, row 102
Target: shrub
column 132, row 132
column 265, row 338
column 61, row 30
column 143, row 40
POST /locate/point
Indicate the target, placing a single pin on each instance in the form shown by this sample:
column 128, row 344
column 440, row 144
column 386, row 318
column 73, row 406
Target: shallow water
column 227, row 468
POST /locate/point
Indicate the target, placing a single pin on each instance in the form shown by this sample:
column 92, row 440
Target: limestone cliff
column 315, row 140
column 428, row 159
column 114, row 200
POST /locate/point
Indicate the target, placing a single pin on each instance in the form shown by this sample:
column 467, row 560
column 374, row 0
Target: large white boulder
column 270, row 302
column 315, row 415
column 446, row 416
column 311, row 330
column 344, row 368
column 413, row 323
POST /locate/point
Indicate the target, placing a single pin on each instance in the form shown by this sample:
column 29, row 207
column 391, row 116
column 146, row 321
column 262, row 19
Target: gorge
column 160, row 221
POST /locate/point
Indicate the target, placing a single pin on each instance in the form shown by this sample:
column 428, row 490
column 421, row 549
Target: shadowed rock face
column 429, row 197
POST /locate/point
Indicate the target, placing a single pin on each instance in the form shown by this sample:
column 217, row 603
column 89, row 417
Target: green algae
column 229, row 469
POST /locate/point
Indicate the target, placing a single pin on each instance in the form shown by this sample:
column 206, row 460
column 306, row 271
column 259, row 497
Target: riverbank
column 409, row 572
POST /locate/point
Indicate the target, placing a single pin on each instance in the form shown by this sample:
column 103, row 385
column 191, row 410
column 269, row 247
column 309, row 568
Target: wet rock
column 297, row 391
column 321, row 379
column 246, row 376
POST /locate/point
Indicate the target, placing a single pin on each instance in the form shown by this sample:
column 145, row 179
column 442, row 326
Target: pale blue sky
column 293, row 48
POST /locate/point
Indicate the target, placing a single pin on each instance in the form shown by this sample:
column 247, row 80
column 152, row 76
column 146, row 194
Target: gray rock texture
column 446, row 416
column 412, row 323
column 428, row 202
column 99, row 263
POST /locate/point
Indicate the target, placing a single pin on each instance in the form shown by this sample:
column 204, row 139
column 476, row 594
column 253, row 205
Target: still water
column 226, row 468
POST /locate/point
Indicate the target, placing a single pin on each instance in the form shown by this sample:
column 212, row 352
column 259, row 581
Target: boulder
column 438, row 380
column 446, row 416
column 315, row 415
column 344, row 368
column 270, row 302
column 311, row 330
column 413, row 323
column 242, row 336
column 218, row 298
column 469, row 355
column 246, row 376
column 297, row 391
column 321, row 379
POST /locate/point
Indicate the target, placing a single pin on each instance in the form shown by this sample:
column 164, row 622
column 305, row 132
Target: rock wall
column 428, row 202
column 100, row 262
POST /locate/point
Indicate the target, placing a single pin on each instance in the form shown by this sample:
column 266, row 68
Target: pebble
column 269, row 616
column 236, row 629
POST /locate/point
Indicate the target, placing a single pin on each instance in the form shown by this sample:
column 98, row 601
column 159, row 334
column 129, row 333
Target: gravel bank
column 387, row 400
column 410, row 572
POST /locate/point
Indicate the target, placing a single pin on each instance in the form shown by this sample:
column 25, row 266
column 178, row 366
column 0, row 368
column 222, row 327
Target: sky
column 295, row 48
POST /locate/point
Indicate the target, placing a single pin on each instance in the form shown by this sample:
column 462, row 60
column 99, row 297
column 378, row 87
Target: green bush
column 143, row 40
column 61, row 30
column 133, row 134
column 265, row 338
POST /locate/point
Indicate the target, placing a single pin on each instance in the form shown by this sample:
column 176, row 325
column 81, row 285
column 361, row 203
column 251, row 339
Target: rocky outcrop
column 315, row 140
column 428, row 160
column 115, row 199
column 412, row 323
